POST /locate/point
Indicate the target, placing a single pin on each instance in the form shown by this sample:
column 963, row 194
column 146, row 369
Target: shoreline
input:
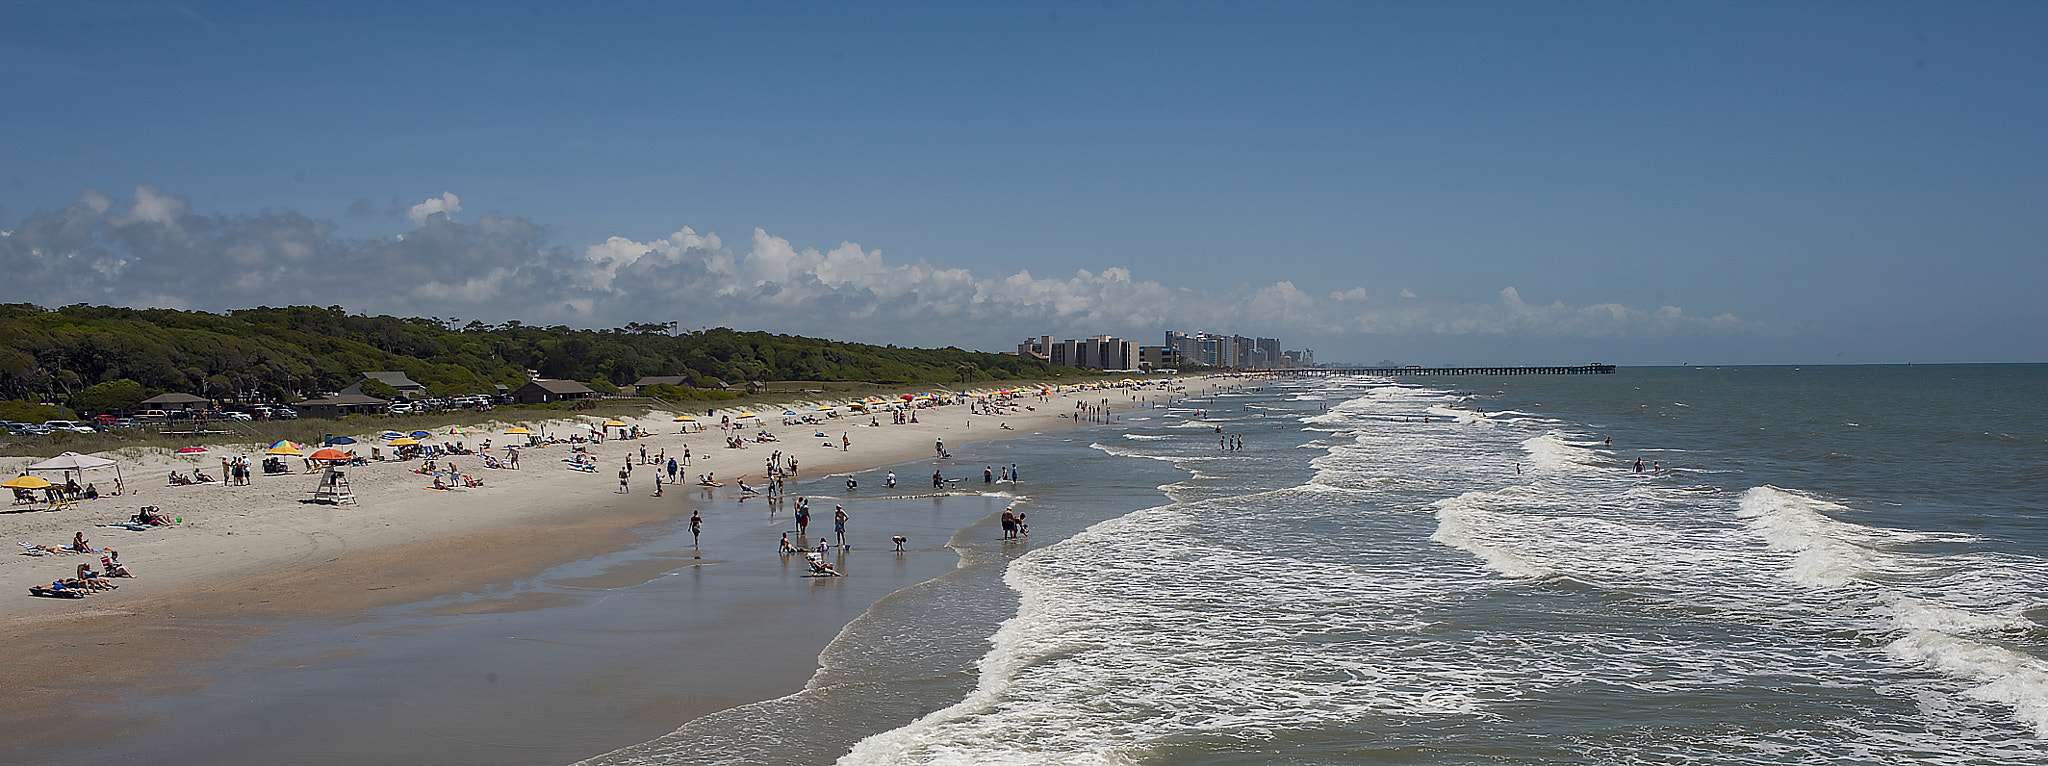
column 251, row 559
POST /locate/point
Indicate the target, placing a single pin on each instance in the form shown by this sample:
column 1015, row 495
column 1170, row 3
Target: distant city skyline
column 1539, row 183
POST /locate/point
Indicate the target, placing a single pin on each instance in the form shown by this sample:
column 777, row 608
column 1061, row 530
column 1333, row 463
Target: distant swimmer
column 1639, row 465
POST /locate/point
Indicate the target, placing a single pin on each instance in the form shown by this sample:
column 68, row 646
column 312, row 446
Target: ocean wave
column 1146, row 437
column 1827, row 552
column 1554, row 452
column 2004, row 677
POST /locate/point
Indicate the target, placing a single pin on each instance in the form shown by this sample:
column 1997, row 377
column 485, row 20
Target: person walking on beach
column 623, row 473
column 845, row 443
column 697, row 528
column 803, row 517
column 671, row 470
column 839, row 524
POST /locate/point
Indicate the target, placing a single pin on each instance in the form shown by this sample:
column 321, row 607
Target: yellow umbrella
column 403, row 441
column 744, row 416
column 685, row 419
column 520, row 430
column 614, row 424
column 26, row 481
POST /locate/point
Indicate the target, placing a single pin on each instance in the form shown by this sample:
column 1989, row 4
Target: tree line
column 96, row 358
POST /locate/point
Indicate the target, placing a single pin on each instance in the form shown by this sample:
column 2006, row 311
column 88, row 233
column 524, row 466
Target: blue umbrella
column 422, row 434
column 341, row 440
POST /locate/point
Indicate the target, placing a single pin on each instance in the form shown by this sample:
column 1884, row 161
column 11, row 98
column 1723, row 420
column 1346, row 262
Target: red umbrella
column 329, row 454
column 192, row 451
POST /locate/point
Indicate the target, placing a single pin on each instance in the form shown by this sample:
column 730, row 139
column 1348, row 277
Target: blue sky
column 1423, row 182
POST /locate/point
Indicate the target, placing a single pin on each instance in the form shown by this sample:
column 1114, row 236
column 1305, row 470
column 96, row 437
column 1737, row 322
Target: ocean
column 1812, row 565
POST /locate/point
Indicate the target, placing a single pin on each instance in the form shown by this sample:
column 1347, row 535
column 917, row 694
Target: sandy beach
column 247, row 559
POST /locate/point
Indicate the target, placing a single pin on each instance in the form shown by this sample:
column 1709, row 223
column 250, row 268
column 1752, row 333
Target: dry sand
column 249, row 556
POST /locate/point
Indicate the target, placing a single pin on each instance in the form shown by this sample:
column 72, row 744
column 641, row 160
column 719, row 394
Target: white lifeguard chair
column 333, row 488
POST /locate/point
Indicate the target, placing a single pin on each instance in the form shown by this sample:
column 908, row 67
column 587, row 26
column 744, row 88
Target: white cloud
column 153, row 251
column 447, row 205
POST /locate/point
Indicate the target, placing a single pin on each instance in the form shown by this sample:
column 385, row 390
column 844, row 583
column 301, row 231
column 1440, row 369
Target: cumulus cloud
column 152, row 250
column 446, row 205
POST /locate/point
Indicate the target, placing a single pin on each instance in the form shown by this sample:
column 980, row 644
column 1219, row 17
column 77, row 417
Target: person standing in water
column 839, row 524
column 697, row 528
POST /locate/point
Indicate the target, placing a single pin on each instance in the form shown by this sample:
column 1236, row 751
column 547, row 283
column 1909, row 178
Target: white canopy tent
column 72, row 461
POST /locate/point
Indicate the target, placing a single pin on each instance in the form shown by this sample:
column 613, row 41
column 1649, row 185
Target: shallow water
column 1839, row 565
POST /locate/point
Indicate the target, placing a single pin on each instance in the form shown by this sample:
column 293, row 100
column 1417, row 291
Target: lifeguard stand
column 333, row 488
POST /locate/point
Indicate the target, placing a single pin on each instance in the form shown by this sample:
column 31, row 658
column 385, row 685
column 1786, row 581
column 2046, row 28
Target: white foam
column 1828, row 553
column 1146, row 437
column 1463, row 522
column 2004, row 677
column 1554, row 452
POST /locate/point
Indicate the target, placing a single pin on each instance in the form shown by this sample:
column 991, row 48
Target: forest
column 96, row 358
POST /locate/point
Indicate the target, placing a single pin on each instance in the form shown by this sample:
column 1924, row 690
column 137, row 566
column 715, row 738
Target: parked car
column 72, row 426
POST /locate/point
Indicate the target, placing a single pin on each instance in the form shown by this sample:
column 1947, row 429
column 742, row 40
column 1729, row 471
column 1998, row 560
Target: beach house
column 543, row 390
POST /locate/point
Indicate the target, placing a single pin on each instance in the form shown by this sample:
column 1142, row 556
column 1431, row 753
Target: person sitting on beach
column 91, row 492
column 200, row 477
column 744, row 489
column 150, row 515
column 92, row 579
column 78, row 543
column 786, row 547
column 178, row 479
column 113, row 568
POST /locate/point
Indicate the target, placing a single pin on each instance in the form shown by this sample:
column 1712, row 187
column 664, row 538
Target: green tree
column 108, row 396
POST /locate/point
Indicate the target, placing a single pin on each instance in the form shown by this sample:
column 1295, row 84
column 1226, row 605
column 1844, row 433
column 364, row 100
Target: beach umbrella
column 614, row 424
column 284, row 447
column 389, row 435
column 404, row 441
column 191, row 451
column 340, row 440
column 26, row 481
column 521, row 431
column 329, row 454
column 789, row 412
column 455, row 431
column 421, row 434
column 685, row 419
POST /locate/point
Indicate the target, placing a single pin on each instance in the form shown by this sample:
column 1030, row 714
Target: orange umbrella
column 329, row 454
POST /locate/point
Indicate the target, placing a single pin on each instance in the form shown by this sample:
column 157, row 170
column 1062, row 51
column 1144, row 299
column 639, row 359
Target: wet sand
column 320, row 608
